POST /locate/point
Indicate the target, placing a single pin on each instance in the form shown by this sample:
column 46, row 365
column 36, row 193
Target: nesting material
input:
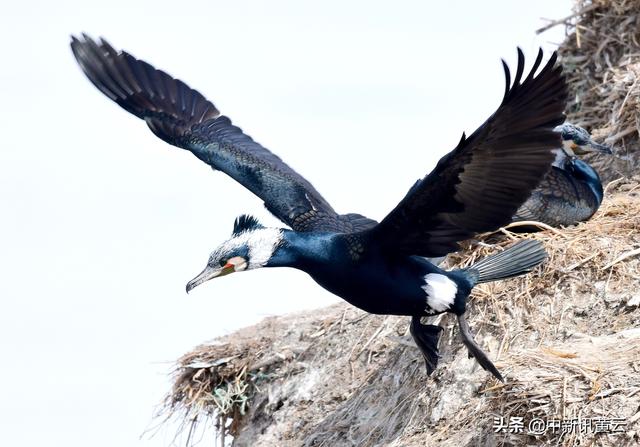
column 566, row 337
column 601, row 57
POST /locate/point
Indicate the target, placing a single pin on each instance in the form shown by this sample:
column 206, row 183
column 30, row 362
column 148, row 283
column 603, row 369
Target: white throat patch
column 562, row 155
column 441, row 292
column 567, row 146
column 261, row 243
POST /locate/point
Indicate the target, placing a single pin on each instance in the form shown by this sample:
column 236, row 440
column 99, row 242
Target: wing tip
column 507, row 75
column 550, row 70
column 140, row 88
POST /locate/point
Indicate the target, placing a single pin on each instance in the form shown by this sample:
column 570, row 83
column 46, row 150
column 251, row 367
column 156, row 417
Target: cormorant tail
column 514, row 261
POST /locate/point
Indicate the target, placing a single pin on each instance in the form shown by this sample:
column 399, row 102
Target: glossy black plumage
column 376, row 267
column 480, row 184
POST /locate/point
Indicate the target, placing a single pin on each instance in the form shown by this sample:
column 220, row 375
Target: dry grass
column 567, row 337
column 601, row 56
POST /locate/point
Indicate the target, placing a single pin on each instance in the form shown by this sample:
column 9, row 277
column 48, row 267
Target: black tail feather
column 514, row 261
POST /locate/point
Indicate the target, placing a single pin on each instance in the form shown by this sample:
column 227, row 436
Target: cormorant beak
column 592, row 146
column 596, row 147
column 209, row 273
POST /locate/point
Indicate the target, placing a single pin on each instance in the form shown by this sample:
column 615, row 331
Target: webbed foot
column 426, row 337
column 475, row 350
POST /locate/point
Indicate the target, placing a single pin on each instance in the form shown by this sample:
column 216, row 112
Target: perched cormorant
column 571, row 192
column 378, row 267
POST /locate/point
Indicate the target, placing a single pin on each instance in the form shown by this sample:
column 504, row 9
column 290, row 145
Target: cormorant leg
column 475, row 350
column 426, row 337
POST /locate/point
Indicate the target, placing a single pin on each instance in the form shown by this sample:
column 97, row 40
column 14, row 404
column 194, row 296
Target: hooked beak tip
column 190, row 286
column 602, row 148
column 207, row 274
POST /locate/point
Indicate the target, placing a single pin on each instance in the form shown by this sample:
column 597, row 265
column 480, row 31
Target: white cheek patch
column 441, row 292
column 240, row 267
column 262, row 243
column 239, row 263
column 568, row 147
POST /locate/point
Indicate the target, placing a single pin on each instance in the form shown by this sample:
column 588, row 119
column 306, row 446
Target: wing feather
column 183, row 117
column 481, row 183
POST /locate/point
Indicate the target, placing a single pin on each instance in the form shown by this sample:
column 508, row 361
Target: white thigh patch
column 441, row 291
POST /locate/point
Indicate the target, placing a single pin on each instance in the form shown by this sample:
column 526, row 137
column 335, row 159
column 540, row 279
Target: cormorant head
column 251, row 246
column 577, row 141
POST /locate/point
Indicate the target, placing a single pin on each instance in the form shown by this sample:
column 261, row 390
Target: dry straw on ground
column 567, row 337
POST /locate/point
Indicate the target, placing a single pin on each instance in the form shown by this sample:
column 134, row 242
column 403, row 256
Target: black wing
column 480, row 184
column 183, row 117
column 559, row 199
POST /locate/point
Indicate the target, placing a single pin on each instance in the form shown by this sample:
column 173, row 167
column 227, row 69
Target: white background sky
column 103, row 224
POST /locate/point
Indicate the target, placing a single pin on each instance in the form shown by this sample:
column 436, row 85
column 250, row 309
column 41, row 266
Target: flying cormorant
column 571, row 192
column 378, row 267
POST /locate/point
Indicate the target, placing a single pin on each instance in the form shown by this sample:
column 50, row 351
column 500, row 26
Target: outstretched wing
column 183, row 117
column 480, row 184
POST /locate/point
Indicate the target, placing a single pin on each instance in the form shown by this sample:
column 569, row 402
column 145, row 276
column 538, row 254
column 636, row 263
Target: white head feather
column 261, row 243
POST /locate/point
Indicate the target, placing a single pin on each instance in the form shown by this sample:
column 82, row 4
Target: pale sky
column 104, row 223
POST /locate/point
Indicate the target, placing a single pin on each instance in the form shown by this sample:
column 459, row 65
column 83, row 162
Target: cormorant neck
column 561, row 158
column 588, row 175
column 303, row 251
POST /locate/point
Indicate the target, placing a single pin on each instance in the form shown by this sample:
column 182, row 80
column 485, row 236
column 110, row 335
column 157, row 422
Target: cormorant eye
column 222, row 263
